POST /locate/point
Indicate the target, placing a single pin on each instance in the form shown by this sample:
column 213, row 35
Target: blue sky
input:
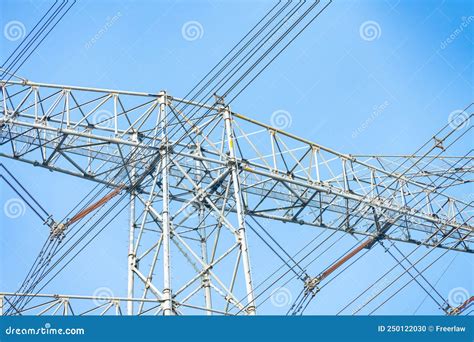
column 330, row 80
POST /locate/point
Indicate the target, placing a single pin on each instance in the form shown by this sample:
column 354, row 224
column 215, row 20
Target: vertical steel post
column 131, row 244
column 66, row 307
column 166, row 224
column 205, row 277
column 202, row 229
column 242, row 239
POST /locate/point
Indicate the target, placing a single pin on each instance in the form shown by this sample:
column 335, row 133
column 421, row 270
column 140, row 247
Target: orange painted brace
column 95, row 205
column 461, row 307
column 345, row 258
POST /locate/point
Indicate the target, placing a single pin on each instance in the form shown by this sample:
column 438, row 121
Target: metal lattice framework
column 204, row 170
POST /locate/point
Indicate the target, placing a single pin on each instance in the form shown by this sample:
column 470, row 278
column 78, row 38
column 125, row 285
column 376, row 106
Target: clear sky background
column 330, row 80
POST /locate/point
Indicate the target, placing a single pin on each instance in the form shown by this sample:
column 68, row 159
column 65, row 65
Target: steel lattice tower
column 193, row 177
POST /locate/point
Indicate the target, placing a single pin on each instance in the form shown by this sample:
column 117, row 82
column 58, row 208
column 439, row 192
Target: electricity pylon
column 198, row 173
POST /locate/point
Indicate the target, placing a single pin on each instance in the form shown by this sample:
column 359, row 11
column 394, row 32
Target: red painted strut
column 95, row 206
column 346, row 257
column 462, row 307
